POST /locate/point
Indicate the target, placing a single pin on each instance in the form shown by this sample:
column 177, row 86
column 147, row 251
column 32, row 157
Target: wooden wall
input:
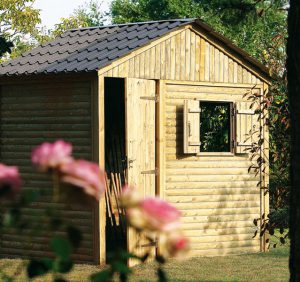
column 32, row 113
column 218, row 197
column 183, row 55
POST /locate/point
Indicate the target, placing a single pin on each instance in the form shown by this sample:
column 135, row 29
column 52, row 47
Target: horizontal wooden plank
column 208, row 164
column 224, row 252
column 220, row 231
column 217, row 199
column 216, row 225
column 212, row 192
column 212, row 185
column 214, row 213
column 218, row 218
column 207, row 171
column 220, row 205
column 223, row 238
column 209, row 178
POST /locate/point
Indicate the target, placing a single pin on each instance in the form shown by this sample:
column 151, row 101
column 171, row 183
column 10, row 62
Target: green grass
column 271, row 266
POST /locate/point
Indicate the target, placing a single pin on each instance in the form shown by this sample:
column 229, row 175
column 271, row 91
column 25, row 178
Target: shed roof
column 90, row 49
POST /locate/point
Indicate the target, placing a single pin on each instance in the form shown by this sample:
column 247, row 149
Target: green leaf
column 103, row 276
column 61, row 247
column 121, row 267
column 37, row 268
column 63, row 266
column 161, row 275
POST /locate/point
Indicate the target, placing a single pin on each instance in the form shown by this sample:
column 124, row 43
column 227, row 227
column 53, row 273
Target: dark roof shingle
column 89, row 49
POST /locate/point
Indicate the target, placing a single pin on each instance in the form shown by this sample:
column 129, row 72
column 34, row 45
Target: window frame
column 232, row 128
column 232, row 107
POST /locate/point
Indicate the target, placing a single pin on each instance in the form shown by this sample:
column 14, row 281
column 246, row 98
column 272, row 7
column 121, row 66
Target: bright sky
column 53, row 10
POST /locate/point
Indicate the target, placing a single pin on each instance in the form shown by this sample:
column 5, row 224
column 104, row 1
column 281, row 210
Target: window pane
column 215, row 127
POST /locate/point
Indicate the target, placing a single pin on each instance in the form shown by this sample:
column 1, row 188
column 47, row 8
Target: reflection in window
column 215, row 127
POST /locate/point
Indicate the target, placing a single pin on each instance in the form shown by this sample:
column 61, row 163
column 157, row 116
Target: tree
column 293, row 74
column 17, row 19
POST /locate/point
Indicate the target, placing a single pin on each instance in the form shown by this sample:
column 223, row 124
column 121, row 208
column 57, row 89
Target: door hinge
column 153, row 171
column 153, row 98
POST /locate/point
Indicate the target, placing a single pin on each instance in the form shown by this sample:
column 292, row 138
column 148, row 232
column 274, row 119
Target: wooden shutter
column 247, row 126
column 140, row 146
column 191, row 130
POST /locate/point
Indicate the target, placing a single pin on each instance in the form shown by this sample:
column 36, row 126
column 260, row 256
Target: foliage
column 81, row 182
column 17, row 19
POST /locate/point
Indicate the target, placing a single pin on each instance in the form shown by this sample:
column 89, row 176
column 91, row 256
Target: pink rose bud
column 51, row 155
column 177, row 245
column 10, row 180
column 130, row 197
column 160, row 215
column 86, row 175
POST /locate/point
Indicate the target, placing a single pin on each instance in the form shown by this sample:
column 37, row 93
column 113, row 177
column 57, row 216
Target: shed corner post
column 265, row 193
column 101, row 134
column 160, row 146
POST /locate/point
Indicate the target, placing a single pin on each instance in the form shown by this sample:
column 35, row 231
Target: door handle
column 130, row 162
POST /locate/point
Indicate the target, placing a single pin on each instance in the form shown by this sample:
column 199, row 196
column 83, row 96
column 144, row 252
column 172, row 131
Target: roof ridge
column 129, row 24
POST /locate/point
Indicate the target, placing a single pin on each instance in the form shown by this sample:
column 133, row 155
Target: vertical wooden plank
column 212, row 64
column 235, row 72
column 140, row 149
column 157, row 61
column 239, row 74
column 245, row 75
column 131, row 68
column 197, row 58
column 207, row 61
column 101, row 157
column 253, row 79
column 161, row 145
column 142, row 65
column 266, row 173
column 182, row 55
column 221, row 78
column 202, row 59
column 115, row 71
column 110, row 73
column 173, row 58
column 95, row 158
column 217, row 65
column 152, row 63
column 226, row 69
column 177, row 56
column 168, row 59
column 193, row 55
column 231, row 71
column 162, row 60
column 238, row 129
column 191, row 127
column 137, row 66
column 147, row 63
column 187, row 54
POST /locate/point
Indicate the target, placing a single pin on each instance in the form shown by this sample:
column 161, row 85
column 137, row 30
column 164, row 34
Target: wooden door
column 140, row 147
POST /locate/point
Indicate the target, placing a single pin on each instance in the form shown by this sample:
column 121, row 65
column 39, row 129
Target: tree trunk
column 293, row 73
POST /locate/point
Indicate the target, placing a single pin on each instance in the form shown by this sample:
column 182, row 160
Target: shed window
column 215, row 127
column 208, row 126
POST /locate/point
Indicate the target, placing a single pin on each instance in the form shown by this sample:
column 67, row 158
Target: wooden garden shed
column 174, row 92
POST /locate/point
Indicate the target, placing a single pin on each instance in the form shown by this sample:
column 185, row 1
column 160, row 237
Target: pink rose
column 130, row 197
column 86, row 175
column 177, row 244
column 10, row 179
column 51, row 155
column 160, row 215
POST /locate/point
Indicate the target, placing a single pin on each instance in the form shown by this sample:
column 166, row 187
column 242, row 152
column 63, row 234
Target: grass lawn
column 272, row 266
